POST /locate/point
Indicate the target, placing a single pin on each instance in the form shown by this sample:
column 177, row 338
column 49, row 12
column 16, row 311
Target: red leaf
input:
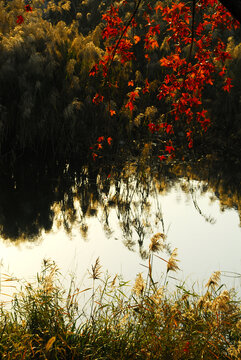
column 228, row 85
column 136, row 39
column 28, row 8
column 169, row 148
column 146, row 88
column 112, row 112
column 98, row 99
column 94, row 155
column 109, row 140
column 20, row 19
column 132, row 97
column 100, row 139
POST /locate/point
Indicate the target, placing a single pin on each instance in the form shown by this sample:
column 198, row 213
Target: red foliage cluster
column 190, row 74
column 196, row 58
column 98, row 146
column 116, row 31
column 187, row 74
column 97, row 99
column 28, row 8
column 20, row 18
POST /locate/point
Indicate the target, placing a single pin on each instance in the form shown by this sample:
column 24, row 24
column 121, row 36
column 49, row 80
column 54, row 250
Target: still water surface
column 207, row 239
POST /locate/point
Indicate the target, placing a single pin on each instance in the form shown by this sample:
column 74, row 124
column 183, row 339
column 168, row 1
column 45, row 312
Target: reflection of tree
column 37, row 194
column 133, row 207
column 25, row 200
column 208, row 218
column 222, row 177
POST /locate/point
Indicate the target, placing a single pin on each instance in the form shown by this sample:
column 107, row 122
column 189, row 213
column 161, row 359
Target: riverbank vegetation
column 113, row 319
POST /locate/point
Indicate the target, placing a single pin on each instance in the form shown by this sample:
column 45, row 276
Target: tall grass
column 120, row 322
column 46, row 92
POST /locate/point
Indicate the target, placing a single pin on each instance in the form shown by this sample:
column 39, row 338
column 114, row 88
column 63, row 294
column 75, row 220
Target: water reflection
column 62, row 205
column 36, row 193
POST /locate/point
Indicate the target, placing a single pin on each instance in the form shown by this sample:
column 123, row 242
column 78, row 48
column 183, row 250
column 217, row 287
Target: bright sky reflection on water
column 202, row 247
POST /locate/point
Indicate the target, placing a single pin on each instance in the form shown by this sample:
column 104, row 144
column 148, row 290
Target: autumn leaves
column 195, row 58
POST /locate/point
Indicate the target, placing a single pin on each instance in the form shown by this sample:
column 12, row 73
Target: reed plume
column 155, row 244
column 213, row 280
column 139, row 285
column 172, row 262
column 95, row 272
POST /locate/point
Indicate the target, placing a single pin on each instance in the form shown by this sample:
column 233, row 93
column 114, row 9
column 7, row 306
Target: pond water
column 117, row 228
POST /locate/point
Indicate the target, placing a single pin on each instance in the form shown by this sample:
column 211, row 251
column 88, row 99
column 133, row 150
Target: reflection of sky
column 202, row 247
